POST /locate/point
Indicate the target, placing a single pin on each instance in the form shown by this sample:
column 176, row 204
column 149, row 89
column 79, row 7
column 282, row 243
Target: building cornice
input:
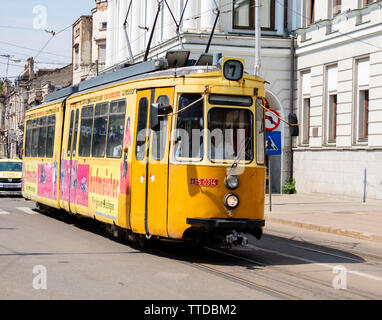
column 340, row 39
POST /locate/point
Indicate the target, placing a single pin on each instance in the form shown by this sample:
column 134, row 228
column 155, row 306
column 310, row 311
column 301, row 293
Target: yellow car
column 11, row 171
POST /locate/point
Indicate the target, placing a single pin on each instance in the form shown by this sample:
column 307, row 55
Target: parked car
column 11, row 171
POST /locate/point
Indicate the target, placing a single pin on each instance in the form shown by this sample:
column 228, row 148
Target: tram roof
column 142, row 70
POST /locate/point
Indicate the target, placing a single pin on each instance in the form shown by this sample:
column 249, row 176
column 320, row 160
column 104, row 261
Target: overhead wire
column 35, row 50
column 46, row 43
column 195, row 17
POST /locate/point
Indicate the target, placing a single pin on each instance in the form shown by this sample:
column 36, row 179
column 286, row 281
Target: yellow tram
column 138, row 149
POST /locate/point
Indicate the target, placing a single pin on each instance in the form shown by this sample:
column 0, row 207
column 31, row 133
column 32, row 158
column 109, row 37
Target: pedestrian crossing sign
column 273, row 142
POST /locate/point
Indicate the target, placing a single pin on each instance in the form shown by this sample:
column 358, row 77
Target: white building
column 339, row 63
column 89, row 43
column 234, row 36
column 99, row 14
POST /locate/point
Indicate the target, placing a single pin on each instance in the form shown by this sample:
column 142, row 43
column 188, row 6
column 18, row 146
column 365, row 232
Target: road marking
column 27, row 210
column 361, row 274
column 3, row 212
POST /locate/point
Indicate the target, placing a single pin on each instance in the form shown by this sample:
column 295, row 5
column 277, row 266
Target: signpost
column 271, row 120
column 272, row 142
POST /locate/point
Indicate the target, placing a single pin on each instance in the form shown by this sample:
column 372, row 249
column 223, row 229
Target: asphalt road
column 60, row 257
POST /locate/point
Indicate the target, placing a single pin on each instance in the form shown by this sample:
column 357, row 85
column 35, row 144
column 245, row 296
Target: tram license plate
column 204, row 182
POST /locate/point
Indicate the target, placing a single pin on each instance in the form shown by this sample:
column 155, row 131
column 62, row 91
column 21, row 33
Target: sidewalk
column 328, row 214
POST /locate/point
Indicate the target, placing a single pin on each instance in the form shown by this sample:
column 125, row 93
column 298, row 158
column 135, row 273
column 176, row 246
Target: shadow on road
column 271, row 250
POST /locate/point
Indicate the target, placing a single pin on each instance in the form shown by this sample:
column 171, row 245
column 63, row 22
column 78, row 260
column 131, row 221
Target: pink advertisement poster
column 45, row 184
column 73, row 181
column 82, row 185
column 125, row 178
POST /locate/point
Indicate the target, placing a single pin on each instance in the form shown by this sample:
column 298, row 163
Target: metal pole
column 258, row 38
column 152, row 32
column 270, row 185
column 6, row 74
column 364, row 185
column 291, row 103
column 213, row 29
column 6, row 83
column 127, row 36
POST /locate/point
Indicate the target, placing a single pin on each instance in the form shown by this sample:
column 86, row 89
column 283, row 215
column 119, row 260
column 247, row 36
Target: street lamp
column 9, row 57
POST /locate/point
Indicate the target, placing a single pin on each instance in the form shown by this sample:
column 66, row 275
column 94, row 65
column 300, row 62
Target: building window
column 362, row 100
column 365, row 3
column 101, row 54
column 335, row 8
column 331, row 102
column 306, row 88
column 76, row 56
column 363, row 115
column 103, row 26
column 309, row 12
column 306, row 115
column 332, row 118
column 244, row 14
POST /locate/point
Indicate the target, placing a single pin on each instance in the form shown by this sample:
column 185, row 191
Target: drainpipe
column 292, row 80
column 258, row 38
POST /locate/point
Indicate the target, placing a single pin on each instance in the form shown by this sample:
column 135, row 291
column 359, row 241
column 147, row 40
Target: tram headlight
column 232, row 182
column 231, row 201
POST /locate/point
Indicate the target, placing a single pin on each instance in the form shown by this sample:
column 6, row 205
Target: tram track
column 292, row 274
column 179, row 256
column 229, row 276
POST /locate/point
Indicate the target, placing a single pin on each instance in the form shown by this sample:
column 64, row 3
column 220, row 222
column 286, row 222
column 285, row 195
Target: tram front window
column 189, row 132
column 230, row 134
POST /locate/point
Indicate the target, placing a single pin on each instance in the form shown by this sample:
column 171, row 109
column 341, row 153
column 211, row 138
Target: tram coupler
column 235, row 239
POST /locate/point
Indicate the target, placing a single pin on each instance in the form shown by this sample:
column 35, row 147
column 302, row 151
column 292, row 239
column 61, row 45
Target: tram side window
column 116, row 129
column 159, row 140
column 141, row 129
column 99, row 130
column 260, row 134
column 51, row 126
column 86, row 131
column 70, row 134
column 42, row 138
column 75, row 135
column 35, row 134
column 189, row 127
column 28, row 139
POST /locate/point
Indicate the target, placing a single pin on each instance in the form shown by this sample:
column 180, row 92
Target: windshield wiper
column 236, row 161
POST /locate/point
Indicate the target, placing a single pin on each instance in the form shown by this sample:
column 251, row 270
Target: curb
column 328, row 229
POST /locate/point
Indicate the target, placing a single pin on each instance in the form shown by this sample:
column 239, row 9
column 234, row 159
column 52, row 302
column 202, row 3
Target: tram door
column 70, row 174
column 150, row 165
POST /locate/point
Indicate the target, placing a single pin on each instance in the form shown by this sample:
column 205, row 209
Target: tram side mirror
column 294, row 130
column 158, row 110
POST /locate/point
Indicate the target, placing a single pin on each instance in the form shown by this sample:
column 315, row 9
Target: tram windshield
column 230, row 134
column 11, row 166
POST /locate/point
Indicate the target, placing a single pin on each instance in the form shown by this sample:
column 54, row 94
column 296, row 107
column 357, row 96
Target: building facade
column 339, row 67
column 89, row 43
column 99, row 17
column 28, row 90
column 82, row 49
column 234, row 36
